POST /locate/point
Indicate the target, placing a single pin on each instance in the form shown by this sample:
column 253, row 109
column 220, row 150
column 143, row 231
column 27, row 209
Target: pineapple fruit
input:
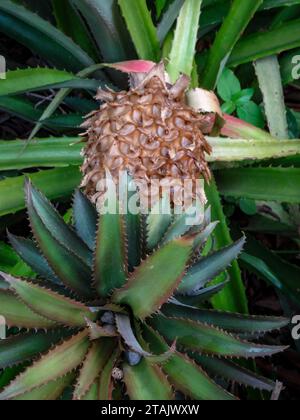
column 149, row 132
column 114, row 313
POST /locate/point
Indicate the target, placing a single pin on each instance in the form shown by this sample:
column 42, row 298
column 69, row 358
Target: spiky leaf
column 141, row 293
column 146, row 382
column 31, row 255
column 23, row 347
column 49, row 304
column 228, row 321
column 208, row 340
column 17, row 314
column 210, row 267
column 85, row 218
column 54, row 365
column 49, row 392
column 235, row 373
column 185, row 374
column 70, row 269
column 95, row 361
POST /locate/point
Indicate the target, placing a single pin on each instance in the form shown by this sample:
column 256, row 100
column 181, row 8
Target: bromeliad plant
column 115, row 312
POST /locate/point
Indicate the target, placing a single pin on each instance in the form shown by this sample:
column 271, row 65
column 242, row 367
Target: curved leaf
column 55, row 224
column 235, row 373
column 70, row 269
column 85, row 219
column 141, row 28
column 146, row 382
column 185, row 38
column 17, row 349
column 106, row 381
column 235, row 323
column 58, row 362
column 17, row 314
column 50, row 304
column 108, row 28
column 208, row 340
column 50, row 392
column 241, row 12
column 40, row 36
column 95, row 361
column 140, row 293
column 210, row 267
column 185, row 374
column 158, row 222
column 31, row 255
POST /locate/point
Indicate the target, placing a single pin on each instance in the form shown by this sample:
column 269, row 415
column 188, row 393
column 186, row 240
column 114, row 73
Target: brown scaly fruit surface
column 148, row 131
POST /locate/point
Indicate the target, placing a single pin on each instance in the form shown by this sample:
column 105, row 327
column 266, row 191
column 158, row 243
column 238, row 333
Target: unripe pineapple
column 149, row 132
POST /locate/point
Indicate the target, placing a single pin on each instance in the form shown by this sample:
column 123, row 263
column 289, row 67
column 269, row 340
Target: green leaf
column 70, row 268
column 268, row 184
column 17, row 349
column 228, row 107
column 208, row 340
column 96, row 359
column 243, row 96
column 251, row 113
column 49, row 304
column 110, row 271
column 141, row 28
column 168, row 19
column 264, row 44
column 158, row 221
column 50, row 392
column 72, row 24
column 20, row 81
column 248, row 206
column 58, row 362
column 233, row 297
column 55, row 183
column 28, row 251
column 269, row 78
column 203, row 295
column 183, row 49
column 92, row 394
column 55, row 224
column 139, row 293
column 17, row 314
column 235, row 323
column 241, row 13
column 106, row 380
column 208, row 268
column 146, row 382
column 41, row 37
column 234, row 373
column 85, row 219
column 237, row 150
column 185, row 375
column 107, row 26
column 276, row 271
column 47, row 152
column 228, row 85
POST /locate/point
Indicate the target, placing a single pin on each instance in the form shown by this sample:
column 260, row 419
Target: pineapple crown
column 119, row 308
